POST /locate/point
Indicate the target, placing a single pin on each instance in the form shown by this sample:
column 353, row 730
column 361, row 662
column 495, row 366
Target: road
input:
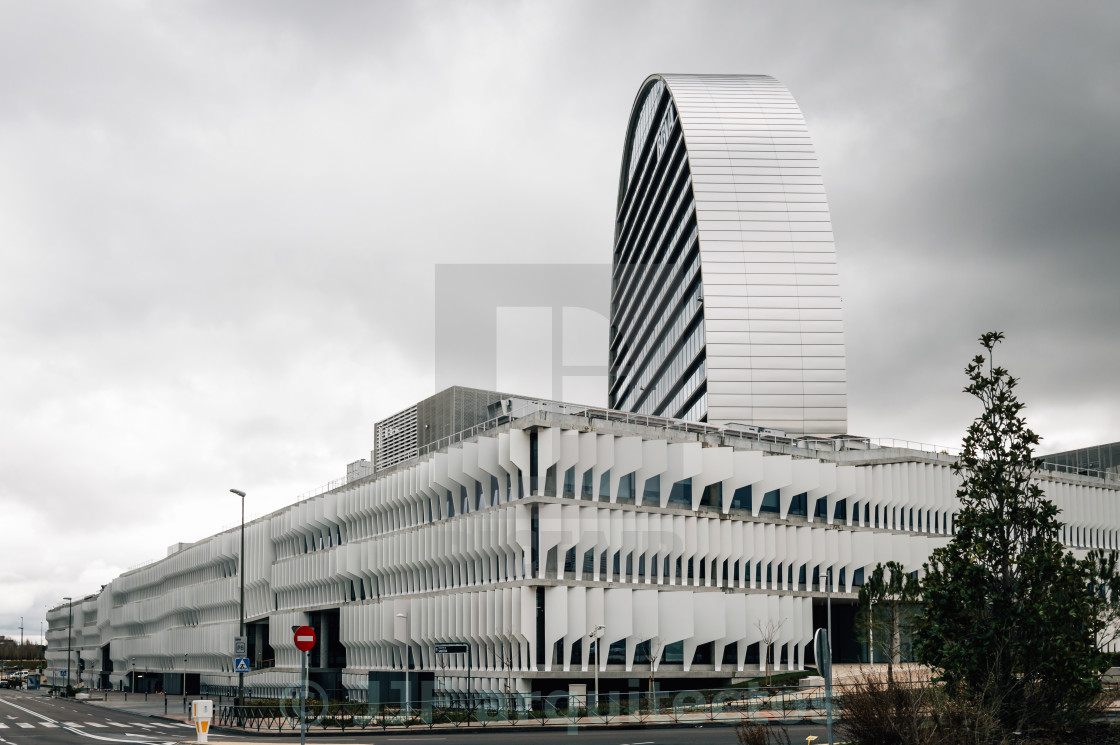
column 31, row 719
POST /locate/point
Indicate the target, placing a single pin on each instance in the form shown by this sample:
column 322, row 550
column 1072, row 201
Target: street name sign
column 454, row 648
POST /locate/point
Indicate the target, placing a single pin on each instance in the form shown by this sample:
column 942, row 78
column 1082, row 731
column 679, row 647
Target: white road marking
column 25, row 725
column 45, row 719
column 49, row 724
column 4, row 726
column 94, row 724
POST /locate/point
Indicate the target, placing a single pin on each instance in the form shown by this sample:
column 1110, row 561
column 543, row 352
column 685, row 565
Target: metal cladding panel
column 748, row 131
column 769, row 288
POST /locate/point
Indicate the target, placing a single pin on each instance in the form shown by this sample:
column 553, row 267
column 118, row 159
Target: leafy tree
column 1104, row 582
column 888, row 606
column 1011, row 619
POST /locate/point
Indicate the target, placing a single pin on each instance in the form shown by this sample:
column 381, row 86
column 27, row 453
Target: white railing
column 1112, row 476
column 925, row 447
column 810, row 442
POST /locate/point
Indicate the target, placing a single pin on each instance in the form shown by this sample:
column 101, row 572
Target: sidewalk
column 156, row 705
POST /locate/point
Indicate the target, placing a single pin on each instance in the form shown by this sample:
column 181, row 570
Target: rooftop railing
column 742, row 432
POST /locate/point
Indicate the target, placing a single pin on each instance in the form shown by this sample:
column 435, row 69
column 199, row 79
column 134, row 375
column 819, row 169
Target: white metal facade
column 726, row 301
column 496, row 542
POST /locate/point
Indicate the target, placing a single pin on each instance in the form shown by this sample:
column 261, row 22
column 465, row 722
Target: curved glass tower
column 725, row 304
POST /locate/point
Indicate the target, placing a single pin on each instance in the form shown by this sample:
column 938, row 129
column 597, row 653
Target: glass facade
column 657, row 326
column 1086, row 461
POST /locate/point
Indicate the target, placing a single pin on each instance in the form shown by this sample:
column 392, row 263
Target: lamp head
column 238, row 492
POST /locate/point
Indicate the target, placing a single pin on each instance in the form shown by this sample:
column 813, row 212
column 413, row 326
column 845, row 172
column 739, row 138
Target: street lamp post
column 871, row 633
column 69, row 625
column 829, row 692
column 594, row 636
column 241, row 571
column 407, row 687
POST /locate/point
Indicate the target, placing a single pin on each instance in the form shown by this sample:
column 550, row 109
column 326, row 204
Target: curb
column 428, row 732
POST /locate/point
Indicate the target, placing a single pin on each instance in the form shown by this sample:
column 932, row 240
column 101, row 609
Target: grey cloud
column 219, row 222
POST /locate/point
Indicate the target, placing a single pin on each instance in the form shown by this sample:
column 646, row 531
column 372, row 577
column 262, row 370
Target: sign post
column 304, row 638
column 459, row 648
column 823, row 653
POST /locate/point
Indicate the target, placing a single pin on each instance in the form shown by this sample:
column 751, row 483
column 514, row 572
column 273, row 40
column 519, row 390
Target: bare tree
column 655, row 649
column 769, row 633
column 441, row 678
column 507, row 662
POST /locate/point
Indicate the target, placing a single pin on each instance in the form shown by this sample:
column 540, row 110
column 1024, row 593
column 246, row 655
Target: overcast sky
column 220, row 224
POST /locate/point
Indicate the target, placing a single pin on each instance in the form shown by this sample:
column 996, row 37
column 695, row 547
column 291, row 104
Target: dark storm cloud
column 220, row 222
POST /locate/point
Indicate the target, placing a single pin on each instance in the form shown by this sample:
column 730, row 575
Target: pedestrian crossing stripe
column 79, row 725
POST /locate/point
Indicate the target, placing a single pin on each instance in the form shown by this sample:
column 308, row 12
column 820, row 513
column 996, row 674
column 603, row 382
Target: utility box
column 577, row 696
column 202, row 712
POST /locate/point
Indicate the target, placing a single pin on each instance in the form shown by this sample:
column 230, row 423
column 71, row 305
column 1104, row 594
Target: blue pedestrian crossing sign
column 241, row 664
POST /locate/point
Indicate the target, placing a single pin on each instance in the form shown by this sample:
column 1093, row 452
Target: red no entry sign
column 305, row 638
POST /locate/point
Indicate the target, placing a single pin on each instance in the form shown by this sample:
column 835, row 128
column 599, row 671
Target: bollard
column 201, row 713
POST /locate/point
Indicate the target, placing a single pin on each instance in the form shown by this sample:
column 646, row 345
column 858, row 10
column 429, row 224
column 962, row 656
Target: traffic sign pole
column 303, row 701
column 459, row 648
column 304, row 638
column 822, row 650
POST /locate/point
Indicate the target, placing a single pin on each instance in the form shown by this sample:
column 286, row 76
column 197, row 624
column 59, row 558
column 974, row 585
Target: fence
column 558, row 709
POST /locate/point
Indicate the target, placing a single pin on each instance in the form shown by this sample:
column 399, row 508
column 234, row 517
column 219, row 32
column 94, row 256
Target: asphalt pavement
column 27, row 718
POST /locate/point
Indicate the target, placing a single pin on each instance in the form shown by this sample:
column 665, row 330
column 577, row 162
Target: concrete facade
column 685, row 541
